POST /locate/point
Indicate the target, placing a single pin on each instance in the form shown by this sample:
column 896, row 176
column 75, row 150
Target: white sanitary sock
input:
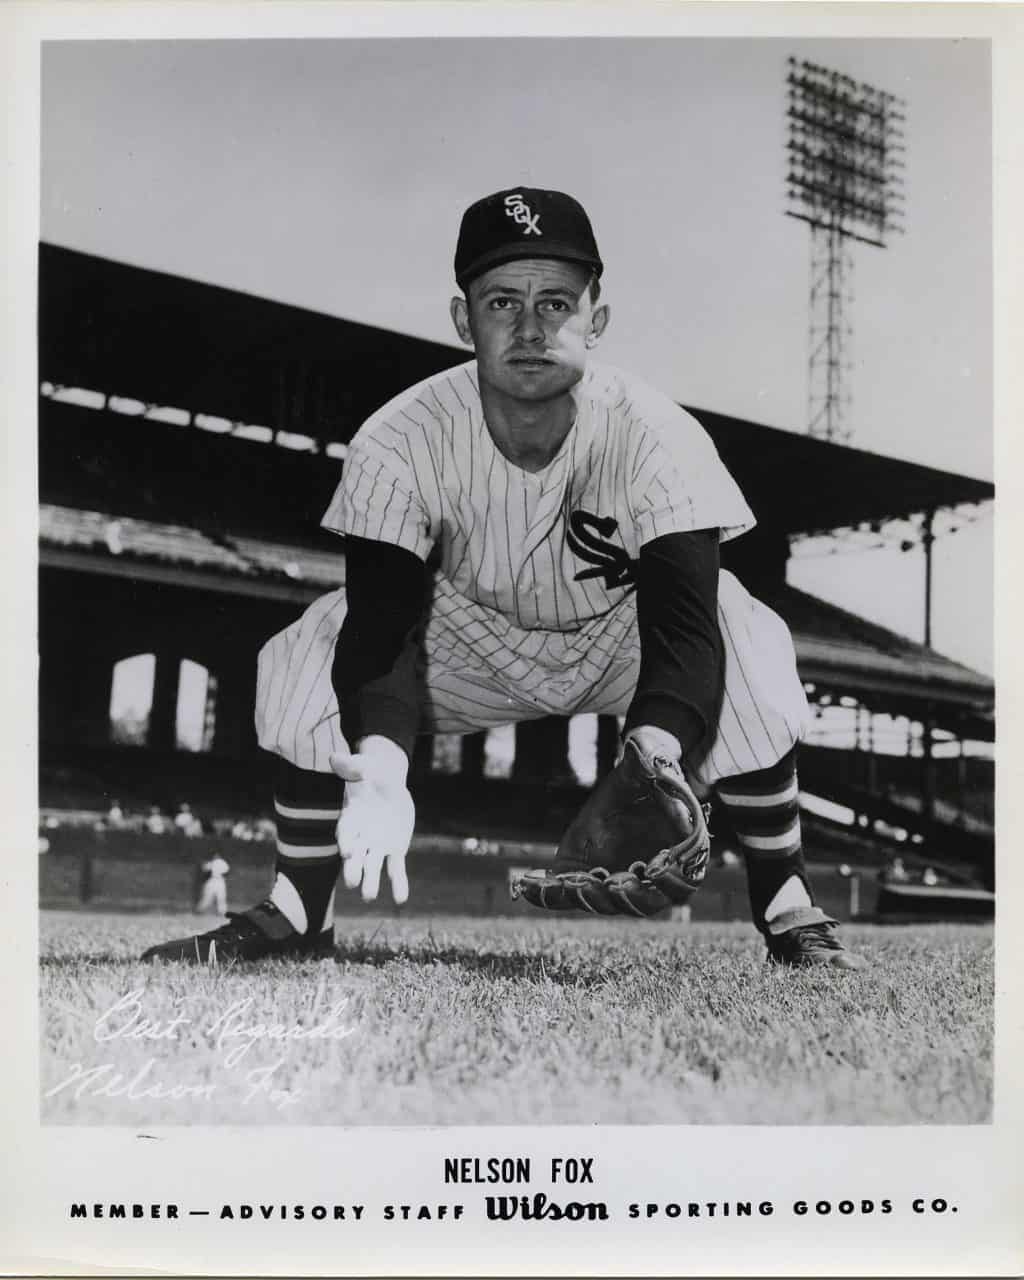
column 791, row 897
column 285, row 897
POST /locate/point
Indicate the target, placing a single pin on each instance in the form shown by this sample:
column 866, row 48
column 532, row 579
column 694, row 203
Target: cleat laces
column 822, row 937
column 238, row 927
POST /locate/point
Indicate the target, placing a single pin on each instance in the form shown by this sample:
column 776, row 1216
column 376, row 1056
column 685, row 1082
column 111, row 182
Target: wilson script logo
column 539, row 1208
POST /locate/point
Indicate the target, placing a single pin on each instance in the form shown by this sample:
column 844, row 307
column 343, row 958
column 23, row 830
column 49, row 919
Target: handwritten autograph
column 125, row 1021
column 232, row 1034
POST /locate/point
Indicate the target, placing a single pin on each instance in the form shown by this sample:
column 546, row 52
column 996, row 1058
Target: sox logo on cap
column 519, row 211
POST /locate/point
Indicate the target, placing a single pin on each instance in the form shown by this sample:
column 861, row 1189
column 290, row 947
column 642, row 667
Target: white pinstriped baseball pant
column 481, row 673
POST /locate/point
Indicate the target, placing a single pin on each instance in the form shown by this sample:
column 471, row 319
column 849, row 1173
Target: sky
column 332, row 174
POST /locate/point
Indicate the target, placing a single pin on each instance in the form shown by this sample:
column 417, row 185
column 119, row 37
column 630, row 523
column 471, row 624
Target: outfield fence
column 124, row 870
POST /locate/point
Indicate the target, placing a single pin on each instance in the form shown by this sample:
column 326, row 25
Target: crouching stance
column 533, row 534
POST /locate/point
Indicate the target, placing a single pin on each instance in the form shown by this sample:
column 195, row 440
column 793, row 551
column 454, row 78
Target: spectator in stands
column 186, row 821
column 896, row 872
column 929, row 877
column 156, row 823
column 242, row 830
column 115, row 816
column 213, row 896
column 265, row 829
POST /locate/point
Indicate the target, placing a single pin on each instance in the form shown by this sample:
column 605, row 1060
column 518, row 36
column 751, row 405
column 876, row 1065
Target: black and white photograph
column 515, row 638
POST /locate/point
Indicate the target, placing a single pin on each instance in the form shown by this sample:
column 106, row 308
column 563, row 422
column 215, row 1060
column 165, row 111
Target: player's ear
column 460, row 319
column 598, row 324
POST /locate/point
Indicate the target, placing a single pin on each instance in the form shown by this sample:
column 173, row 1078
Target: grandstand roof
column 160, row 339
column 98, row 542
column 847, row 654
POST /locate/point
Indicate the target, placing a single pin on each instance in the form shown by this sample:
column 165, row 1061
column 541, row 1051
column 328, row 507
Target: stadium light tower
column 845, row 157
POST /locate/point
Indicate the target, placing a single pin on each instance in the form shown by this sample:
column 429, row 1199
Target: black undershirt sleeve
column 376, row 659
column 682, row 660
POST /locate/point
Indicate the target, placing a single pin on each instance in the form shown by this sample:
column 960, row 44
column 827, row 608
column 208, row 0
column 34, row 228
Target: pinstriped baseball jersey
column 533, row 609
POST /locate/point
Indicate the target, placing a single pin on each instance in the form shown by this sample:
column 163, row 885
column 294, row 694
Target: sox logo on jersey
column 517, row 629
column 610, row 562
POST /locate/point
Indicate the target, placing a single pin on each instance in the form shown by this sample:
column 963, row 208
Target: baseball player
column 528, row 534
column 213, row 896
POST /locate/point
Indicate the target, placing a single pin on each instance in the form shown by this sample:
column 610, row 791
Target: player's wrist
column 655, row 741
column 386, row 753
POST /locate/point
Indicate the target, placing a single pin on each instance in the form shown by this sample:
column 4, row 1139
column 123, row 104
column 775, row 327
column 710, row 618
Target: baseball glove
column 638, row 845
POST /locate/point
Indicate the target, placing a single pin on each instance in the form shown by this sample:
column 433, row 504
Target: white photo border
column 974, row 1168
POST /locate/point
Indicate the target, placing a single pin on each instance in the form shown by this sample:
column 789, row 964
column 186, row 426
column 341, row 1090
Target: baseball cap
column 523, row 222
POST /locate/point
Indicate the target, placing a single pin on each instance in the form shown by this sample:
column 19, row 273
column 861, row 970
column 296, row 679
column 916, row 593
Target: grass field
column 500, row 1021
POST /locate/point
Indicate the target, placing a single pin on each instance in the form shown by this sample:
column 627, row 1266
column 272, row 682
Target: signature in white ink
column 124, row 1021
column 232, row 1035
column 233, row 1031
column 105, row 1081
column 259, row 1084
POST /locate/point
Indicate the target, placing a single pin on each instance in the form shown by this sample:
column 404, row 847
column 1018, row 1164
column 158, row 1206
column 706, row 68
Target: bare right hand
column 377, row 817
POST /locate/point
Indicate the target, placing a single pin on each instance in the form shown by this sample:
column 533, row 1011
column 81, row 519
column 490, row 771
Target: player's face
column 531, row 324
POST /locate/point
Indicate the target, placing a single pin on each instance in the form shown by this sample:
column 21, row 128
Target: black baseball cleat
column 812, row 946
column 261, row 932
